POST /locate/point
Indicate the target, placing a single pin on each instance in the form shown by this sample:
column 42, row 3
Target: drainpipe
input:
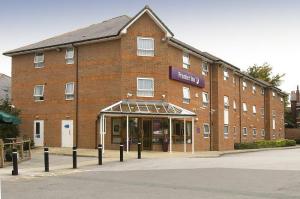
column 210, row 108
column 77, row 97
column 240, row 107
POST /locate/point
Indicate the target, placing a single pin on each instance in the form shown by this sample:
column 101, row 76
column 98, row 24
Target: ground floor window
column 178, row 132
column 116, row 130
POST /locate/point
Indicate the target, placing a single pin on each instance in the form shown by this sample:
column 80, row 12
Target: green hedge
column 265, row 144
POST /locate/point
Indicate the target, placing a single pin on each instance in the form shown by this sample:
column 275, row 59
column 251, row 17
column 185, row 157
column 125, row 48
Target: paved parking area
column 267, row 174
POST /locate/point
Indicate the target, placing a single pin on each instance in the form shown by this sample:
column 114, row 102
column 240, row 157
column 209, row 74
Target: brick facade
column 108, row 71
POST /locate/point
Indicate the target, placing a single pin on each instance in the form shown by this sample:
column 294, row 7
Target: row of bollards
column 74, row 155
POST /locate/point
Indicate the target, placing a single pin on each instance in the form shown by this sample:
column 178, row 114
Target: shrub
column 265, row 144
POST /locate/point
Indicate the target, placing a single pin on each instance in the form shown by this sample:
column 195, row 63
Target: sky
column 241, row 32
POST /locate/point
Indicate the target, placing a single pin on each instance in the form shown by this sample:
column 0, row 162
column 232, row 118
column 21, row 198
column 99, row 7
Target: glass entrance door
column 147, row 137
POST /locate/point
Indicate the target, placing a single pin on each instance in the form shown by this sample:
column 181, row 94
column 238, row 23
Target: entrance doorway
column 147, row 137
column 38, row 132
column 67, row 133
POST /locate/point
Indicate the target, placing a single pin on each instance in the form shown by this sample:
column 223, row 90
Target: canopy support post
column 170, row 139
column 193, row 135
column 184, row 135
column 127, row 133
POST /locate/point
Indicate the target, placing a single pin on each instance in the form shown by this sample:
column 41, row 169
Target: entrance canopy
column 144, row 108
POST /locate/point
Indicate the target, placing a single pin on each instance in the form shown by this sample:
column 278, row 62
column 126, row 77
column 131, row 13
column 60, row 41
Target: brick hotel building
column 128, row 80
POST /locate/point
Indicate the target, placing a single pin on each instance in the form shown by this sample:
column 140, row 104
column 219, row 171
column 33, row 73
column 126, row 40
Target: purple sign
column 185, row 77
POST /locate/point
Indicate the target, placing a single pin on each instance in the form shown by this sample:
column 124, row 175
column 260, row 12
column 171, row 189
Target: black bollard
column 99, row 154
column 46, row 159
column 15, row 162
column 121, row 152
column 139, row 150
column 74, row 157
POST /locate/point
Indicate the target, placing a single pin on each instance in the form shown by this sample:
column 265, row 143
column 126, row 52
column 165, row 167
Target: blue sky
column 243, row 32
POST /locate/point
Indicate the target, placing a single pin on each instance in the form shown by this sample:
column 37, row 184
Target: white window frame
column 69, row 96
column 205, row 99
column 281, row 99
column 245, row 132
column 254, row 109
column 36, row 96
column 69, row 59
column 225, row 73
column 254, row 89
column 139, row 91
column 244, row 85
column 233, row 80
column 263, row 133
column 205, row 133
column 184, row 99
column 140, row 50
column 227, row 133
column 39, row 63
column 187, row 64
column 226, row 102
column 262, row 111
column 205, row 70
column 273, row 94
column 254, row 132
column 234, row 104
column 262, row 91
column 245, row 109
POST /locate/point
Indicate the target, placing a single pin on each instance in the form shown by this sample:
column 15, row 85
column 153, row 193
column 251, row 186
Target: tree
column 8, row 130
column 264, row 72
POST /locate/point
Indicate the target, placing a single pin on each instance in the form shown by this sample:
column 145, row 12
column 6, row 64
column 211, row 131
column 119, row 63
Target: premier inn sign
column 185, row 77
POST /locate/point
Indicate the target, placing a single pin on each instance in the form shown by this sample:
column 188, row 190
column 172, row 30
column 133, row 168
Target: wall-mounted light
column 129, row 95
column 163, row 96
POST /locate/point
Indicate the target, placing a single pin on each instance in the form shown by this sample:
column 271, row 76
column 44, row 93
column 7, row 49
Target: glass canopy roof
column 141, row 107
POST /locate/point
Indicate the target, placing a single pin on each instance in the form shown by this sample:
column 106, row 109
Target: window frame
column 205, row 71
column 254, row 130
column 225, row 74
column 205, row 133
column 186, row 65
column 139, row 50
column 39, row 97
column 245, row 133
column 227, row 133
column 254, row 111
column 70, row 96
column 205, row 96
column 39, row 63
column 245, row 108
column 226, row 105
column 70, row 60
column 138, row 91
column 234, row 105
column 244, row 85
column 263, row 133
column 253, row 89
column 186, row 100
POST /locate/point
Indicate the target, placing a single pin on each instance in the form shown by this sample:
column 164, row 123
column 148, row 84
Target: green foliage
column 288, row 118
column 264, row 72
column 265, row 144
column 8, row 130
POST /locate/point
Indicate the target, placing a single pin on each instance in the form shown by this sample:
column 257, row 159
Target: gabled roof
column 106, row 29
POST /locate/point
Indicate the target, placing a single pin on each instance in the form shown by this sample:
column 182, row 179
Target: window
column 254, row 131
column 186, row 60
column 273, row 113
column 38, row 93
column 116, row 130
column 69, row 91
column 178, row 130
column 244, row 85
column 226, row 131
column 234, row 131
column 233, row 80
column 206, row 130
column 281, row 99
column 145, row 46
column 145, row 87
column 273, row 123
column 262, row 91
column 226, row 74
column 186, row 95
column 205, row 99
column 234, row 104
column 69, row 56
column 253, row 89
column 254, row 110
column 204, row 68
column 245, row 132
column 263, row 132
column 226, row 102
column 262, row 111
column 39, row 60
column 245, row 107
column 273, row 94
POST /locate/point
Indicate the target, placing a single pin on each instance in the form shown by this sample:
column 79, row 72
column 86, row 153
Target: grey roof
column 104, row 29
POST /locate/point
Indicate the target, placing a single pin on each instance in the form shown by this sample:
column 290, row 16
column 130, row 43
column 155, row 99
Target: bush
column 265, row 144
column 8, row 155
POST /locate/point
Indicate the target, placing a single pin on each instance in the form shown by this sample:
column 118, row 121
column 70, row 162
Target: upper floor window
column 226, row 131
column 206, row 130
column 204, row 68
column 226, row 102
column 226, row 74
column 145, row 87
column 234, row 104
column 38, row 93
column 245, row 107
column 186, row 60
column 233, row 80
column 186, row 95
column 281, row 99
column 244, row 85
column 273, row 94
column 262, row 111
column 205, row 99
column 69, row 56
column 69, row 91
column 254, row 110
column 253, row 89
column 39, row 60
column 145, row 46
column 262, row 91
